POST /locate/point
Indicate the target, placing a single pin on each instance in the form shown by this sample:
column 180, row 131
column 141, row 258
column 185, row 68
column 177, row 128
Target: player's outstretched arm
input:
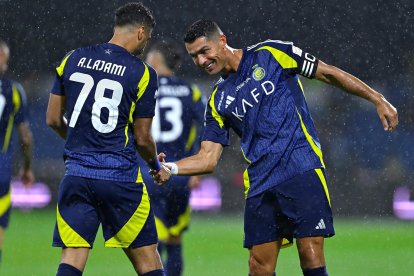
column 145, row 143
column 349, row 83
column 54, row 114
column 205, row 161
column 26, row 141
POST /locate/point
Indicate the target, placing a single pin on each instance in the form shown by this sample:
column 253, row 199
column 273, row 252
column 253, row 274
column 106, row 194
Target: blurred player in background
column 261, row 98
column 176, row 128
column 13, row 114
column 108, row 97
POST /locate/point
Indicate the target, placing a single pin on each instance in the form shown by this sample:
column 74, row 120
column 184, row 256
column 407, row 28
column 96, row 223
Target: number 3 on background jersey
column 100, row 101
column 173, row 113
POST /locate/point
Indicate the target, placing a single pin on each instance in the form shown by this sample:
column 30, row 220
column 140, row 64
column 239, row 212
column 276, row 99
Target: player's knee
column 311, row 253
column 256, row 267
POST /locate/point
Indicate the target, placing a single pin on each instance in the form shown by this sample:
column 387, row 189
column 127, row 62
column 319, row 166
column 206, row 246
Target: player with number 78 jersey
column 105, row 88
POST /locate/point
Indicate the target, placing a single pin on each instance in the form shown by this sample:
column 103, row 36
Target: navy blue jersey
column 105, row 88
column 13, row 109
column 178, row 117
column 264, row 103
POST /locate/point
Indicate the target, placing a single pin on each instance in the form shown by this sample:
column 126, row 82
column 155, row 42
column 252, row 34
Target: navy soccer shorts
column 170, row 203
column 123, row 209
column 5, row 201
column 297, row 208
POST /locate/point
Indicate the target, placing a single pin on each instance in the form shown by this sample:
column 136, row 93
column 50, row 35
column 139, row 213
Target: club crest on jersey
column 258, row 73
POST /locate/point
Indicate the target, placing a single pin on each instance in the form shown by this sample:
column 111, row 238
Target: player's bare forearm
column 144, row 141
column 26, row 141
column 54, row 115
column 204, row 162
column 350, row 84
column 146, row 148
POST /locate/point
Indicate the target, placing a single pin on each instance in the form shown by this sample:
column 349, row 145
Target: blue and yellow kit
column 176, row 128
column 105, row 88
column 264, row 103
column 13, row 111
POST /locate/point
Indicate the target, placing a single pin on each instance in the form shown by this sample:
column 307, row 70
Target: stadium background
column 370, row 39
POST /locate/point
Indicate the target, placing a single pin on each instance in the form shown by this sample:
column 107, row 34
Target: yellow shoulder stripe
column 214, row 113
column 284, row 59
column 196, row 93
column 61, row 67
column 143, row 83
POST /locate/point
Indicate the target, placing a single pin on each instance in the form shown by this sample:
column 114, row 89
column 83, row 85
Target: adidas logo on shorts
column 321, row 225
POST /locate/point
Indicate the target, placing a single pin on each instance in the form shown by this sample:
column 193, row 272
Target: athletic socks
column 68, row 270
column 174, row 265
column 320, row 271
column 158, row 272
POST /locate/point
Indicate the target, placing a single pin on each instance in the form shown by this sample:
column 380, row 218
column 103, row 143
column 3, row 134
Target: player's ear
column 140, row 33
column 222, row 40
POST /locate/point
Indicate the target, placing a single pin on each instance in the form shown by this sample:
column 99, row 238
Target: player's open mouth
column 209, row 67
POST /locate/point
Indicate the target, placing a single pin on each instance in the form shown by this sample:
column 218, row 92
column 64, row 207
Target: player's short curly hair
column 134, row 13
column 203, row 27
column 170, row 51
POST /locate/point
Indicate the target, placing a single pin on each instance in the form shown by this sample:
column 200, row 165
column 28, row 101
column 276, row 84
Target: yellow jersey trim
column 196, row 93
column 191, row 138
column 214, row 113
column 284, row 59
column 309, row 138
column 325, row 186
column 61, row 67
column 16, row 103
column 130, row 121
column 143, row 83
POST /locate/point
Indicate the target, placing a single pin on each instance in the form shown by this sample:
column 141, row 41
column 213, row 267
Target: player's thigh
column 77, row 220
column 263, row 221
column 126, row 214
column 304, row 199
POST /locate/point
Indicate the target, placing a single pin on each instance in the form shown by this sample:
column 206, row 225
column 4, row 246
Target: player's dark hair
column 170, row 52
column 134, row 13
column 200, row 28
column 3, row 44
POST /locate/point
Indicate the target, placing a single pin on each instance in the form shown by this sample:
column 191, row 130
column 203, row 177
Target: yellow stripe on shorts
column 131, row 229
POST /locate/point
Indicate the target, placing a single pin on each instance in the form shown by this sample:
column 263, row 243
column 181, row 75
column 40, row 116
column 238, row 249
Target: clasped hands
column 164, row 174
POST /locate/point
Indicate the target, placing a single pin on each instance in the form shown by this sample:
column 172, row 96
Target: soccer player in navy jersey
column 261, row 98
column 13, row 114
column 107, row 95
column 176, row 128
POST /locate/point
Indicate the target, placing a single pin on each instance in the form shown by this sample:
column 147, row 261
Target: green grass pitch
column 213, row 246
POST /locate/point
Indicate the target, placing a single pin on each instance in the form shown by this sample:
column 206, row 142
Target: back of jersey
column 105, row 88
column 178, row 117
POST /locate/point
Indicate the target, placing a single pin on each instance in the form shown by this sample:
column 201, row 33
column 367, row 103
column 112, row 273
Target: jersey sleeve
column 215, row 129
column 57, row 87
column 291, row 58
column 20, row 103
column 147, row 94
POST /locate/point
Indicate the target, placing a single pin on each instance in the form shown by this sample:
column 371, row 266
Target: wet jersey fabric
column 178, row 117
column 264, row 103
column 105, row 88
column 13, row 111
column 176, row 128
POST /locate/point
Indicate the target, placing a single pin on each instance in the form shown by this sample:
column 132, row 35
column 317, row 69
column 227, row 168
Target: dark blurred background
column 370, row 39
